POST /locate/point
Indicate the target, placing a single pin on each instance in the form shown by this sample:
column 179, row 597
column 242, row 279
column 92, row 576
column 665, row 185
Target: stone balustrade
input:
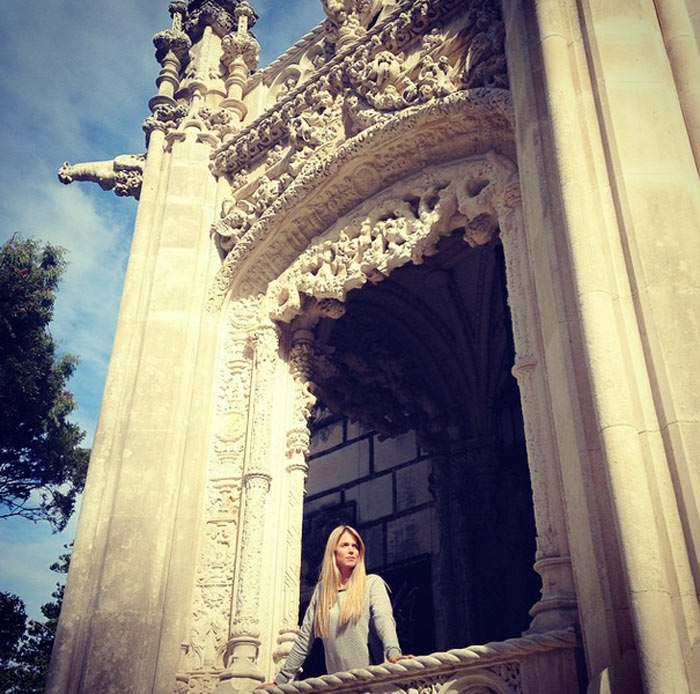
column 531, row 664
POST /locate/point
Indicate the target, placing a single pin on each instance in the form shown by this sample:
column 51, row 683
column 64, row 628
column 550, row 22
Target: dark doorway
column 416, row 377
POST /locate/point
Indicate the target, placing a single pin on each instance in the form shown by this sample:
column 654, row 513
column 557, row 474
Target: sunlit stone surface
column 436, row 268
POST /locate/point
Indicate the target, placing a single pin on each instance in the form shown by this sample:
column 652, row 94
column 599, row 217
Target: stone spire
column 172, row 52
column 207, row 56
column 240, row 56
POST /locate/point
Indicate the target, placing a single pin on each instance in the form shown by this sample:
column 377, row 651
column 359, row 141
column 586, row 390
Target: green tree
column 26, row 644
column 42, row 465
column 13, row 621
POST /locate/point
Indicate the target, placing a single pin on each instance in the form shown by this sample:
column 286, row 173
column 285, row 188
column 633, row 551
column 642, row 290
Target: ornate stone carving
column 298, row 438
column 348, row 19
column 485, row 60
column 557, row 605
column 493, row 668
column 123, row 174
column 165, row 117
column 403, row 225
column 244, row 47
column 384, row 80
column 204, row 650
column 330, row 186
column 364, row 70
column 382, row 391
column 221, row 15
column 244, row 632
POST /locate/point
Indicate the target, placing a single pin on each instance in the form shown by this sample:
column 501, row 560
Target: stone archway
column 270, row 357
column 403, row 224
column 428, row 351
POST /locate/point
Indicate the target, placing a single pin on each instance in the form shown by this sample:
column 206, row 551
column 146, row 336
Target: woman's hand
column 402, row 656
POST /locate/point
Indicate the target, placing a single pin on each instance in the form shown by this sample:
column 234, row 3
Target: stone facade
column 417, row 199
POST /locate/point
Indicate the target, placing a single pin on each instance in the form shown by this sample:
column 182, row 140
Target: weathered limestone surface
column 563, row 135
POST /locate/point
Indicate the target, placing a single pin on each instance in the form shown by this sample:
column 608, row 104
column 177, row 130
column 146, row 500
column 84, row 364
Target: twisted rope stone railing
column 435, row 665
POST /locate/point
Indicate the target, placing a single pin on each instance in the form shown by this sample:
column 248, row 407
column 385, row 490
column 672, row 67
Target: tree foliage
column 25, row 645
column 42, row 465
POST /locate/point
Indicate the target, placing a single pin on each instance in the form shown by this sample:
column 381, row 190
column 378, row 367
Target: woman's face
column 347, row 552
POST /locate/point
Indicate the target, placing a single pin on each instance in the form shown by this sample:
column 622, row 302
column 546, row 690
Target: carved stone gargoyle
column 123, row 174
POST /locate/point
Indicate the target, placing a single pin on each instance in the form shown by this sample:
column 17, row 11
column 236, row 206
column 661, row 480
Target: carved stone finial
column 245, row 11
column 223, row 16
column 177, row 7
column 241, row 45
column 172, row 40
column 348, row 19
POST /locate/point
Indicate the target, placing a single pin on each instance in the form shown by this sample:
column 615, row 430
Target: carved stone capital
column 165, row 117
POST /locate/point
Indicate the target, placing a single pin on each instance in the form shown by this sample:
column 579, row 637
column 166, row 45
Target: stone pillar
column 298, row 441
column 137, row 519
column 601, row 147
column 448, row 617
column 172, row 47
column 682, row 49
column 556, row 609
column 243, row 670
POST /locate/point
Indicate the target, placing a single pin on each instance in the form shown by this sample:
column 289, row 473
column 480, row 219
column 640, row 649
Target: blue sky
column 76, row 77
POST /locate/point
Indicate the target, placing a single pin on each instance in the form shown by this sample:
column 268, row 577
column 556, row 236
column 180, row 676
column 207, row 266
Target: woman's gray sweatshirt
column 346, row 648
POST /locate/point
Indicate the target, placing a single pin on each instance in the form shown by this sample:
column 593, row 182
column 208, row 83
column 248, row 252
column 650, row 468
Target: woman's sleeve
column 302, row 644
column 382, row 616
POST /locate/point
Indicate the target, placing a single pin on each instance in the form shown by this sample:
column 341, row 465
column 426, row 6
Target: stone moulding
column 462, row 124
column 442, row 669
column 268, row 74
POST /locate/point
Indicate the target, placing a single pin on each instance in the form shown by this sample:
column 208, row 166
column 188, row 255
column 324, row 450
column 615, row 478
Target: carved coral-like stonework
column 402, row 225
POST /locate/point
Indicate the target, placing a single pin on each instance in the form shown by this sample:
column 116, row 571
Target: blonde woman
column 345, row 605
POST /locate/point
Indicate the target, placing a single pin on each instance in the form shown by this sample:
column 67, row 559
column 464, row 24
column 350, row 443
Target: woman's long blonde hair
column 330, row 582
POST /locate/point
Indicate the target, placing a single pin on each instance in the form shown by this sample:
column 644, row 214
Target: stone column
column 451, row 618
column 556, row 609
column 594, row 182
column 682, row 49
column 298, row 441
column 70, row 654
column 243, row 671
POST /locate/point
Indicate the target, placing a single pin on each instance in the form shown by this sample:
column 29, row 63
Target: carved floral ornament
column 350, row 96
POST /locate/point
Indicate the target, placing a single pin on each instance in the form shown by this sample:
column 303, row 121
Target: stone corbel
column 123, row 174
